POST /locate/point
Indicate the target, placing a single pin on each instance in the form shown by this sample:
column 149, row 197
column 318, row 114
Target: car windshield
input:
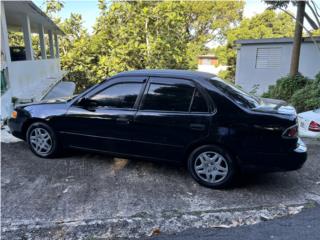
column 241, row 97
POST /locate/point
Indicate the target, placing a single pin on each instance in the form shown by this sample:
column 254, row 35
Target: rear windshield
column 239, row 96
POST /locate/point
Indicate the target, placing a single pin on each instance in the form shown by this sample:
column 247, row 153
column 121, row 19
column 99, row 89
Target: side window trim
column 112, row 81
column 192, row 99
column 144, row 90
column 118, row 83
column 210, row 104
column 212, row 108
column 152, row 80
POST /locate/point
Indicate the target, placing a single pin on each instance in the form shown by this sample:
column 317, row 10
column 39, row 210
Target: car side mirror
column 87, row 103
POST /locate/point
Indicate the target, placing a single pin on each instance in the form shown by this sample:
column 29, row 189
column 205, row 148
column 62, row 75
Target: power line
column 315, row 7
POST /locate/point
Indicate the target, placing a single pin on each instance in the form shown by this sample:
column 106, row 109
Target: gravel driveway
column 93, row 196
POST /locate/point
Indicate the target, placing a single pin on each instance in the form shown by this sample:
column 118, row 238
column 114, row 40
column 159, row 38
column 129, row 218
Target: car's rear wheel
column 212, row 166
column 42, row 140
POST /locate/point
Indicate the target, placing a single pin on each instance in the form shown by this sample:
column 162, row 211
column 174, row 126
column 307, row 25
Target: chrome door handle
column 123, row 120
column 197, row 126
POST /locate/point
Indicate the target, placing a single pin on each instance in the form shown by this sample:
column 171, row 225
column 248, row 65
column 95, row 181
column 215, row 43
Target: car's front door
column 106, row 123
column 172, row 115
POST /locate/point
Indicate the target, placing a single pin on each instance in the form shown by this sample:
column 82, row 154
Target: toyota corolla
column 178, row 116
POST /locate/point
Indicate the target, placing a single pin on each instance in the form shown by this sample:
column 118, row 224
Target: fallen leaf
column 155, row 232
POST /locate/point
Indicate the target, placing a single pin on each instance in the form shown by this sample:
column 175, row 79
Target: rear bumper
column 290, row 161
column 309, row 134
column 297, row 158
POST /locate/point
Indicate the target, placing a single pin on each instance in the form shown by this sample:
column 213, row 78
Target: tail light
column 291, row 132
column 314, row 126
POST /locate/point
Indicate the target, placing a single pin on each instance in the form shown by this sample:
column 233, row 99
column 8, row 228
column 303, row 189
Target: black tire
column 55, row 146
column 224, row 181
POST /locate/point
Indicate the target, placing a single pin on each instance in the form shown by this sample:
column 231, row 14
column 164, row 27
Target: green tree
column 307, row 98
column 268, row 24
column 102, row 6
column 163, row 34
column 52, row 7
column 76, row 57
column 74, row 45
column 141, row 34
column 15, row 39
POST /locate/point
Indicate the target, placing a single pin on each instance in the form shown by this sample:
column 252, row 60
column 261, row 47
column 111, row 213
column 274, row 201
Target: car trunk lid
column 276, row 106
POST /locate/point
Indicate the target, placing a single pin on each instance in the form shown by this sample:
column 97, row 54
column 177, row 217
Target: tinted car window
column 165, row 97
column 242, row 98
column 122, row 95
column 199, row 104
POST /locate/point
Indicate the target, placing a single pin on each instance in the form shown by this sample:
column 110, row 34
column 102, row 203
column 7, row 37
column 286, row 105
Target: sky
column 89, row 9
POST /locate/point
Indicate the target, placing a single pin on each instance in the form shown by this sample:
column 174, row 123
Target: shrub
column 285, row 87
column 307, row 98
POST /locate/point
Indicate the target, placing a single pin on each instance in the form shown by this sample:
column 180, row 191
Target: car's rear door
column 107, row 126
column 173, row 114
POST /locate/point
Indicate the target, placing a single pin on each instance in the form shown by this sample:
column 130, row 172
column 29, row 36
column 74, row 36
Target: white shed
column 261, row 62
column 25, row 76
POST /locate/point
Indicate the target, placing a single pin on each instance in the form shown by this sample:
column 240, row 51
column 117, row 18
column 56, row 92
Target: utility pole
column 294, row 67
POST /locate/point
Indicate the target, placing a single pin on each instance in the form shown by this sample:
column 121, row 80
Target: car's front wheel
column 42, row 140
column 211, row 166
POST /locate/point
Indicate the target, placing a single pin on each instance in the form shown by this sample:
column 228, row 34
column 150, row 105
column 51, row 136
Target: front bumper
column 16, row 128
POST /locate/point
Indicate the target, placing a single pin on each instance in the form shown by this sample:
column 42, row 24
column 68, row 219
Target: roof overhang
column 15, row 10
column 274, row 40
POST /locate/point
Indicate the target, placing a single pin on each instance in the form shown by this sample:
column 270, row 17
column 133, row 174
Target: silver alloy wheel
column 211, row 167
column 40, row 141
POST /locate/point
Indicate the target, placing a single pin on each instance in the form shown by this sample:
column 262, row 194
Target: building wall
column 6, row 105
column 248, row 75
column 207, row 61
column 29, row 80
column 5, row 99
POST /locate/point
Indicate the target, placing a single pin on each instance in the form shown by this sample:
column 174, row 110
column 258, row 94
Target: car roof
column 187, row 74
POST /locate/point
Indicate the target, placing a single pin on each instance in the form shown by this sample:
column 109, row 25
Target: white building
column 209, row 64
column 261, row 62
column 24, row 76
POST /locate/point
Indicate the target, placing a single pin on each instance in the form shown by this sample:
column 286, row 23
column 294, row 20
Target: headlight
column 14, row 114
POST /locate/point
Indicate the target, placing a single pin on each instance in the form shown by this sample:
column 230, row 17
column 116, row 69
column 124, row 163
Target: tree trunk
column 294, row 67
column 147, row 40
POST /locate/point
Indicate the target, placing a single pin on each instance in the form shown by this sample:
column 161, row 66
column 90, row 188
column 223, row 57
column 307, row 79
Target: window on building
column 268, row 57
column 167, row 97
column 122, row 95
column 206, row 61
